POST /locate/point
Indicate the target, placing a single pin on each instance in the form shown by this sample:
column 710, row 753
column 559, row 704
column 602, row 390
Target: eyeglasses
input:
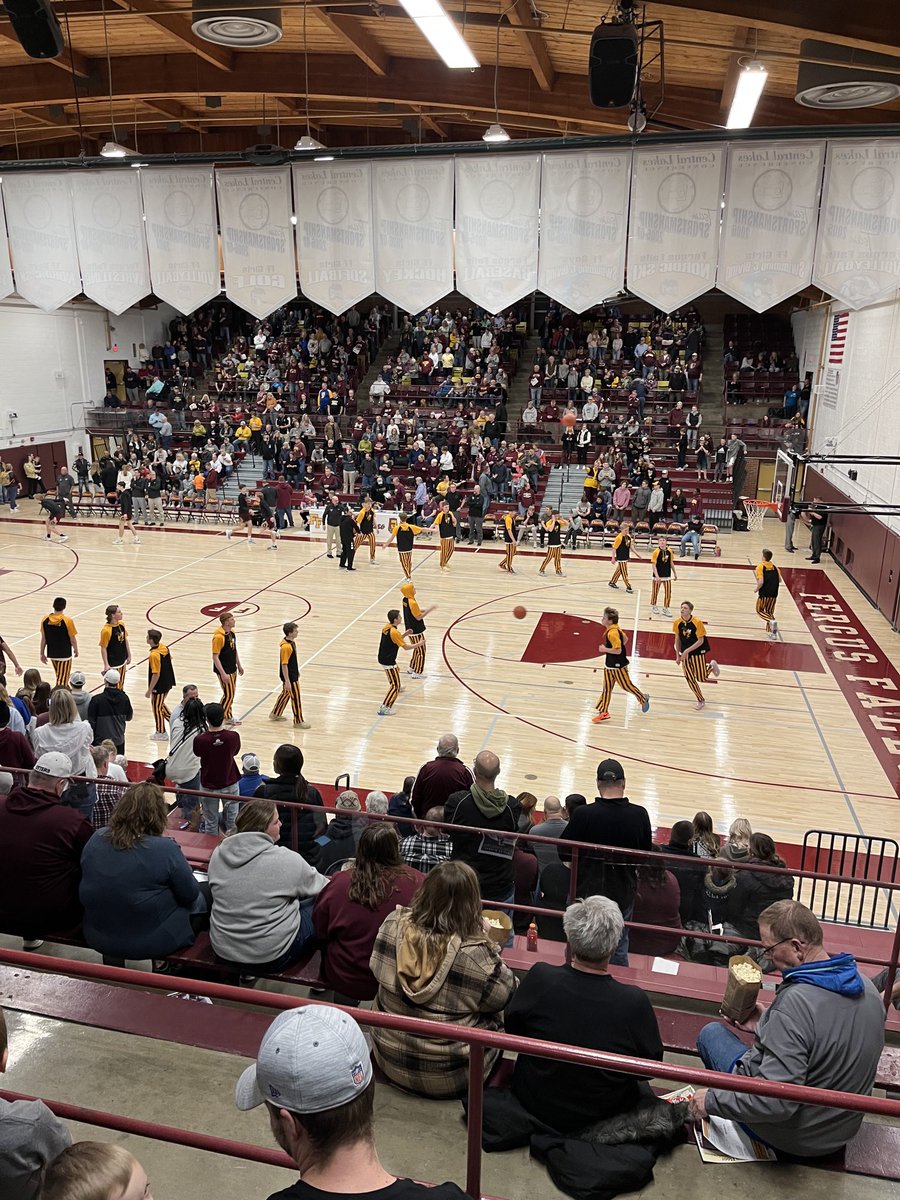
column 769, row 949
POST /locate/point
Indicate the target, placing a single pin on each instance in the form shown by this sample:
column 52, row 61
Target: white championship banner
column 182, row 235
column 497, row 199
column 769, row 223
column 584, row 219
column 858, row 247
column 6, row 279
column 109, row 234
column 257, row 243
column 334, row 233
column 673, row 241
column 42, row 238
column 413, row 230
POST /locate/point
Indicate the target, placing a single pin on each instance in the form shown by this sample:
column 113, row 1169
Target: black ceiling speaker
column 35, row 25
column 613, row 65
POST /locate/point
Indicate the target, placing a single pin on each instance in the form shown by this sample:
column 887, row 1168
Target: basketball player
column 448, row 527
column 663, row 573
column 510, row 527
column 392, row 640
column 405, row 533
column 691, row 652
column 54, row 514
column 554, row 527
column 114, row 648
column 414, row 625
column 365, row 525
column 125, row 505
column 615, row 648
column 621, row 555
column 244, row 514
column 227, row 664
column 59, row 641
column 289, row 673
column 160, row 681
column 768, row 579
column 265, row 519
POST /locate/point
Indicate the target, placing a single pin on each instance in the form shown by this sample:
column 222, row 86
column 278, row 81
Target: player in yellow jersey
column 615, row 648
column 405, row 533
column 365, row 526
column 621, row 555
column 392, row 640
column 663, row 563
column 227, row 664
column 59, row 641
column 768, row 579
column 692, row 652
column 554, row 527
column 289, row 675
column 414, row 624
column 114, row 648
column 447, row 525
column 509, row 526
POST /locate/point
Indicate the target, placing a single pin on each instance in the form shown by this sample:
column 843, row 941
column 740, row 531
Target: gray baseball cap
column 311, row 1059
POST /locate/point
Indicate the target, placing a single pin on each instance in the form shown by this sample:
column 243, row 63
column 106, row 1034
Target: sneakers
column 667, row 612
column 329, row 556
column 271, row 546
column 383, row 711
column 560, row 574
column 159, row 737
column 604, row 716
column 645, row 706
column 654, row 609
column 231, row 723
column 117, row 541
column 614, row 585
column 302, row 725
column 64, row 537
column 700, row 704
column 629, row 590
column 774, row 628
column 228, row 534
column 276, row 717
column 32, row 943
column 714, row 667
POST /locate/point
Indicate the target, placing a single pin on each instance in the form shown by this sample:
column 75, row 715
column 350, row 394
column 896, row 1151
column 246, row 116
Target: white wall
column 866, row 419
column 53, row 365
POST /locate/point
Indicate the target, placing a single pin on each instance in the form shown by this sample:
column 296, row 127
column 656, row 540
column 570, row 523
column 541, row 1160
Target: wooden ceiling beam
column 69, row 61
column 173, row 111
column 179, row 27
column 358, row 39
column 532, row 42
column 825, row 19
column 411, row 83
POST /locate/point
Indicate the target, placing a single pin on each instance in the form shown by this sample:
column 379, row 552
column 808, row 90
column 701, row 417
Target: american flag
column 838, row 339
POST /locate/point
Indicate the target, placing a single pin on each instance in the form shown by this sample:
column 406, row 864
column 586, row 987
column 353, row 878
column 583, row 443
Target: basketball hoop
column 756, row 512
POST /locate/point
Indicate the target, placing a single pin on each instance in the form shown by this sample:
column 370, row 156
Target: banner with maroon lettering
column 858, row 246
column 497, row 198
column 584, row 218
column 334, row 232
column 413, row 230
column 673, row 238
column 109, row 233
column 769, row 222
column 255, row 209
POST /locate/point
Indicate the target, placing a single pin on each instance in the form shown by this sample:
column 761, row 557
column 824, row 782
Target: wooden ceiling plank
column 180, row 27
column 532, row 42
column 359, row 40
column 173, row 111
column 69, row 61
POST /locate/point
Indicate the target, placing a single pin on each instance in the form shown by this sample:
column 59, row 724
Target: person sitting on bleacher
column 314, row 1074
column 824, row 1029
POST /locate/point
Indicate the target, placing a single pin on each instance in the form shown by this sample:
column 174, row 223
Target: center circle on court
column 198, row 612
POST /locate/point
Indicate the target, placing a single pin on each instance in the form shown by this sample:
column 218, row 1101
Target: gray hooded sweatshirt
column 257, row 888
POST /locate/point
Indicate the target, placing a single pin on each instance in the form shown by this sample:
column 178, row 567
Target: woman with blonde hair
column 436, row 961
column 349, row 913
column 66, row 733
column 525, row 805
column 737, row 847
column 262, row 894
column 139, row 895
column 95, row 1171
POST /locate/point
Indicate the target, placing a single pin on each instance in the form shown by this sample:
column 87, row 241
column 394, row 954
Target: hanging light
column 115, row 150
column 495, row 133
column 749, row 88
column 308, row 143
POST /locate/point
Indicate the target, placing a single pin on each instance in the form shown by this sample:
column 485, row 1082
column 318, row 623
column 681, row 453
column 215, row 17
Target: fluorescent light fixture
column 495, row 133
column 324, row 158
column 293, row 220
column 139, row 164
column 114, row 150
column 308, row 143
column 435, row 24
column 749, row 88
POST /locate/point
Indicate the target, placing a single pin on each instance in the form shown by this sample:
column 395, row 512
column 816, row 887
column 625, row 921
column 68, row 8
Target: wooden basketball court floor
column 798, row 734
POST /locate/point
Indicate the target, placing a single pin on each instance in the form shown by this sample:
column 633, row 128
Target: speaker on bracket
column 35, row 25
column 613, row 65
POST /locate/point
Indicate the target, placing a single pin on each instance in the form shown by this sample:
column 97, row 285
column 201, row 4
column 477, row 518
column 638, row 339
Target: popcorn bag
column 742, row 988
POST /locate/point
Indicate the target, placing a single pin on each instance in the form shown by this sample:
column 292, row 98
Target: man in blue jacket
column 824, row 1029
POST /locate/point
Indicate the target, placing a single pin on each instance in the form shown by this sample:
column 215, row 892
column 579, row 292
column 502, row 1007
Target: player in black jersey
column 365, row 526
column 227, row 664
column 391, row 641
column 693, row 651
column 114, row 648
column 768, row 578
column 405, row 533
column 414, row 623
column 160, row 681
column 289, row 674
column 554, row 527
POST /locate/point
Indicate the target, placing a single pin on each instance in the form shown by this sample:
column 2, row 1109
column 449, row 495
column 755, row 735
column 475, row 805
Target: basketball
column 520, row 611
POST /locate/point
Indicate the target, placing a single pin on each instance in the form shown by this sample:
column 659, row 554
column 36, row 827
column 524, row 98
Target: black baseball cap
column 610, row 770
